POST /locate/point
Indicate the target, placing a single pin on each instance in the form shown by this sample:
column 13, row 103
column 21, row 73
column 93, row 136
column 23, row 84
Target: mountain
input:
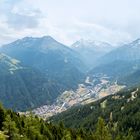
column 128, row 52
column 41, row 70
column 91, row 51
column 119, row 110
column 121, row 64
column 57, row 61
column 8, row 65
column 22, row 88
column 116, row 69
column 43, row 53
column 132, row 79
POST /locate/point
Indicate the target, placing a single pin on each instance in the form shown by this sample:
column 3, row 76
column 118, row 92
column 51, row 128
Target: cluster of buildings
column 85, row 93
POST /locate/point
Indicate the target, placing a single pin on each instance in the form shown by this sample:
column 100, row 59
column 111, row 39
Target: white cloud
column 113, row 21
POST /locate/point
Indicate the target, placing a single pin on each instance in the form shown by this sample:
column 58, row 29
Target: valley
column 90, row 91
column 69, row 70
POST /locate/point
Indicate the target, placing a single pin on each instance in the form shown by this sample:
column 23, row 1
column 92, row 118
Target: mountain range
column 127, row 52
column 91, row 51
column 121, row 62
column 35, row 71
column 22, row 87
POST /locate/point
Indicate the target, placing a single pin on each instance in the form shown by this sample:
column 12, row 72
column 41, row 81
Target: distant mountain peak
column 48, row 37
column 136, row 42
column 28, row 39
column 90, row 43
column 43, row 42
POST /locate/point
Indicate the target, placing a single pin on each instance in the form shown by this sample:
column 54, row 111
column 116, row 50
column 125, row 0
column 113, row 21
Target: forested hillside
column 121, row 109
column 35, row 71
column 14, row 126
column 23, row 88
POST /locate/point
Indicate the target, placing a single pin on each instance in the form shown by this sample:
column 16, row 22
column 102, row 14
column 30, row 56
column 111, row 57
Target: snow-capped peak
column 135, row 43
column 90, row 44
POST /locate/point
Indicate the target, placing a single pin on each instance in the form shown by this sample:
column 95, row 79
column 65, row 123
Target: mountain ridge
column 46, row 74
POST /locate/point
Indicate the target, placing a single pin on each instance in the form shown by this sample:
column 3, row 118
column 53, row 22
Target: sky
column 113, row 21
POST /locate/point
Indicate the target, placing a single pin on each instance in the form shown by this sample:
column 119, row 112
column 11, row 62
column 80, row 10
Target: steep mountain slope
column 15, row 126
column 91, row 51
column 132, row 79
column 120, row 64
column 42, row 53
column 53, row 59
column 120, row 110
column 8, row 64
column 117, row 69
column 128, row 52
column 48, row 69
column 23, row 88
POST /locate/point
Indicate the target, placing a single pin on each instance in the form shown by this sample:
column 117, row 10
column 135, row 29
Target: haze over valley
column 69, row 70
column 53, row 77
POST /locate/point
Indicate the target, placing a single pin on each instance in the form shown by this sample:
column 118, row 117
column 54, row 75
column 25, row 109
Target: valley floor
column 90, row 91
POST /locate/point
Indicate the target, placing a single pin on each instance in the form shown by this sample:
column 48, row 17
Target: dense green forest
column 120, row 110
column 14, row 126
column 23, row 88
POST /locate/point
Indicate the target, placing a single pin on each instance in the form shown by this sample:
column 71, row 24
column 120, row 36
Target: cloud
column 19, row 16
column 22, row 18
column 95, row 31
column 18, row 20
column 68, row 21
column 6, row 34
column 92, row 31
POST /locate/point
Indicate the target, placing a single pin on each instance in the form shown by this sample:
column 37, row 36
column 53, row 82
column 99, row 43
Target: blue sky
column 113, row 21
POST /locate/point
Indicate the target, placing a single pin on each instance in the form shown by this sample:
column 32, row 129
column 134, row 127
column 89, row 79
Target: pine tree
column 101, row 132
column 10, row 129
column 2, row 115
column 67, row 135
